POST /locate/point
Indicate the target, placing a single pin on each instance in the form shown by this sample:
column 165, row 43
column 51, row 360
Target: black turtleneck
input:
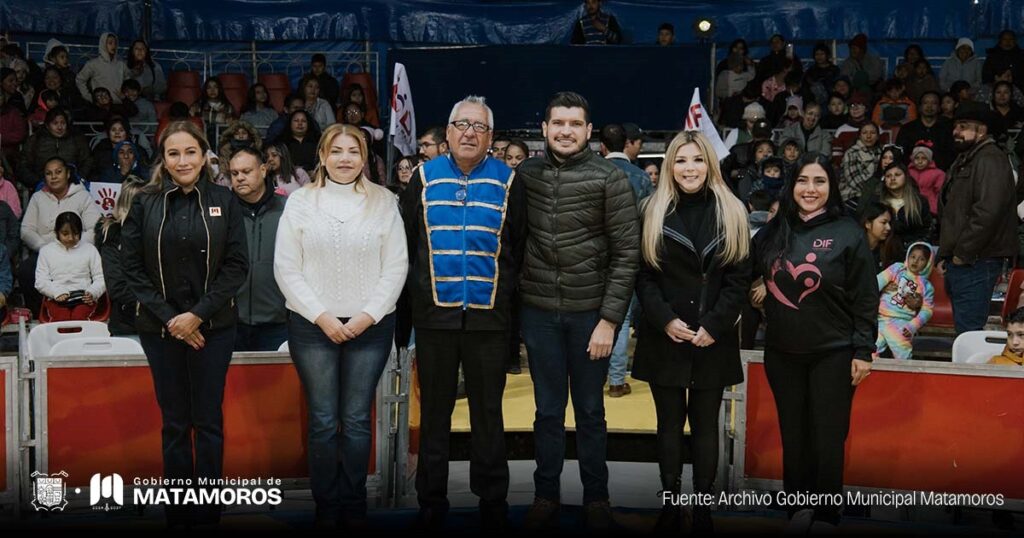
column 253, row 209
column 693, row 209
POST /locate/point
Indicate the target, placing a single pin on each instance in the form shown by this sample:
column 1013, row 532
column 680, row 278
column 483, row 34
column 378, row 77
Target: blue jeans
column 190, row 391
column 263, row 337
column 970, row 290
column 620, row 355
column 556, row 346
column 340, row 382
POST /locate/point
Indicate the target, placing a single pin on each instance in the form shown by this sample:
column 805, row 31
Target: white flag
column 403, row 117
column 698, row 119
column 104, row 195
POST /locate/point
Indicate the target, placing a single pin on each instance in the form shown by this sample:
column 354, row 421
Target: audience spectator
column 13, row 53
column 498, row 147
column 131, row 91
column 404, row 171
column 57, row 140
column 145, row 71
column 819, row 77
column 783, row 100
column 127, row 166
column 286, row 176
column 1005, row 55
column 876, row 219
column 928, row 177
column 212, row 107
column 808, row 134
column 318, row 107
column 301, row 137
column 103, row 71
column 858, row 164
column 780, row 55
column 978, row 230
column 518, row 152
column 328, row 85
column 904, row 286
column 1013, row 352
column 732, row 81
column 733, row 111
column 258, row 110
column 108, row 233
column 894, row 108
column 613, row 143
column 912, row 54
column 67, row 97
column 596, row 27
column 948, row 106
column 651, row 167
column 47, row 101
column 57, row 57
column 354, row 93
column 37, row 227
column 921, row 81
column 292, row 103
column 961, row 91
column 775, row 82
column 843, row 87
column 758, row 151
column 634, row 141
column 962, row 64
column 849, row 132
column 864, row 68
column 103, row 108
column 983, row 94
column 738, row 160
column 770, row 179
column 836, row 114
column 930, row 127
column 794, row 113
column 737, row 46
column 238, row 135
column 8, row 191
column 373, row 164
column 13, row 127
column 912, row 218
column 69, row 274
column 117, row 130
column 666, row 35
column 432, row 143
column 178, row 111
column 1008, row 114
column 9, row 90
column 25, row 88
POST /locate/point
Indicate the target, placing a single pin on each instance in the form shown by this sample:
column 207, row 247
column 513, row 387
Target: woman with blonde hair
column 184, row 255
column 108, row 234
column 340, row 260
column 693, row 280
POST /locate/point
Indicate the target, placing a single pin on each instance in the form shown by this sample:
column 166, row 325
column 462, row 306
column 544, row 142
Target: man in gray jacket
column 262, row 316
column 582, row 255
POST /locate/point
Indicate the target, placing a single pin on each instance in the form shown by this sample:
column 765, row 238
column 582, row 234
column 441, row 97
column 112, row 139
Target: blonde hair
column 156, row 179
column 132, row 186
column 374, row 193
column 730, row 215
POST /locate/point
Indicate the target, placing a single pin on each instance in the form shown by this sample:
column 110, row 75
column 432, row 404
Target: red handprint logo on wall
column 106, row 197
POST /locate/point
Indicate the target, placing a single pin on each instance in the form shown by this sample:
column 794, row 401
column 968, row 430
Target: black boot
column 702, row 525
column 670, row 520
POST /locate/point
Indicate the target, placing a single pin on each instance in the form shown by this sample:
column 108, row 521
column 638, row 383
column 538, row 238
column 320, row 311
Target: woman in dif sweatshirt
column 821, row 311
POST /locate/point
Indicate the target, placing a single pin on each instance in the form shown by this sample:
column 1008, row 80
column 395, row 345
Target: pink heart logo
column 791, row 286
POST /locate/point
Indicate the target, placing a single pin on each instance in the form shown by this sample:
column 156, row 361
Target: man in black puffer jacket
column 582, row 255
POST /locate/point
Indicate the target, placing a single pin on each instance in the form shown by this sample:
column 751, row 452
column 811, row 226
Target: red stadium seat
column 161, row 108
column 942, row 313
column 184, row 79
column 278, row 88
column 365, row 80
column 1013, row 291
column 236, row 89
column 185, row 94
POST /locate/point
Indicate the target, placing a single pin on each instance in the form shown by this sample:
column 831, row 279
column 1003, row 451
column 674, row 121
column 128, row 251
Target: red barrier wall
column 912, row 431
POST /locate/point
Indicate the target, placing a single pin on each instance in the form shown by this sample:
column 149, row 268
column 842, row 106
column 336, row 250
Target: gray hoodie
column 104, row 71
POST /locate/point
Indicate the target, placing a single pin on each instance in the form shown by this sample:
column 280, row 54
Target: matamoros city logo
column 107, row 492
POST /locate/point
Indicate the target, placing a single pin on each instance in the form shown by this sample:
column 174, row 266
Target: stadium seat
column 184, row 94
column 1013, row 291
column 44, row 336
column 278, row 88
column 236, row 89
column 977, row 347
column 942, row 312
column 161, row 109
column 96, row 345
column 365, row 80
column 184, row 79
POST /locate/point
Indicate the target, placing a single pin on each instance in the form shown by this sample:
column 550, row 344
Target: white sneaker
column 801, row 522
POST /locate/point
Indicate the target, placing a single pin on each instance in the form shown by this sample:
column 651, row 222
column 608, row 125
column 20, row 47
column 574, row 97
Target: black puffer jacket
column 583, row 249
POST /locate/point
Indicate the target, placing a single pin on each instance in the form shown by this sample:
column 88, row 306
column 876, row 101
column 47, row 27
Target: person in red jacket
column 928, row 176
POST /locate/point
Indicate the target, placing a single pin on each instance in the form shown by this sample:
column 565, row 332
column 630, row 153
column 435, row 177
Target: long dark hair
column 287, row 170
column 871, row 210
column 775, row 243
column 911, row 194
column 250, row 98
column 132, row 62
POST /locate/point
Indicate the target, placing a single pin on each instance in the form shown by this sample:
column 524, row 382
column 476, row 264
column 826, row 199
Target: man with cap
column 961, row 65
column 932, row 127
column 978, row 218
column 634, row 141
column 864, row 68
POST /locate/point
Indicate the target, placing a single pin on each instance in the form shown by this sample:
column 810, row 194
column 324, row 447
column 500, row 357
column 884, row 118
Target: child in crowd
column 835, row 115
column 771, row 179
column 1013, row 353
column 69, row 273
column 759, row 151
column 894, row 108
column 794, row 108
column 759, row 207
column 48, row 100
column 790, row 155
column 907, row 301
column 8, row 192
column 927, row 175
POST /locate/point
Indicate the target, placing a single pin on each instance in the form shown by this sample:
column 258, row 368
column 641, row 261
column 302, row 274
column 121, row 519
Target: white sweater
column 61, row 270
column 334, row 254
column 43, row 208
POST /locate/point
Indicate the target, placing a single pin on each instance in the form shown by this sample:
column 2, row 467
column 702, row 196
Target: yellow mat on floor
column 633, row 413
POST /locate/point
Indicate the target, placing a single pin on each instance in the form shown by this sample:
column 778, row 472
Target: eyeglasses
column 427, row 144
column 462, row 125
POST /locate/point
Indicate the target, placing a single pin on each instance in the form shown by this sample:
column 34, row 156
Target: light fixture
column 704, row 28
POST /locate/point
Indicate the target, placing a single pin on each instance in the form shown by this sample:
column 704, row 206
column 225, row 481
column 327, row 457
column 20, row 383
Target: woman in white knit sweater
column 69, row 273
column 340, row 260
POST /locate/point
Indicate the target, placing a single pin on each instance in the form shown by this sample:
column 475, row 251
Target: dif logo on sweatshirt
column 822, row 245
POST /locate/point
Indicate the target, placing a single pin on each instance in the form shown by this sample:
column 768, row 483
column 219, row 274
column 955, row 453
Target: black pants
column 673, row 405
column 190, row 391
column 515, row 341
column 482, row 355
column 27, row 281
column 814, row 397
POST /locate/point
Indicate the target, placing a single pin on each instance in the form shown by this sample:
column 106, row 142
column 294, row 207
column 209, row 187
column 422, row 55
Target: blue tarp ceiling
column 506, row 22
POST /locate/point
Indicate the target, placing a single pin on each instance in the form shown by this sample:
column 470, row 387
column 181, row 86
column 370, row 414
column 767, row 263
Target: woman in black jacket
column 185, row 257
column 822, row 312
column 108, row 236
column 912, row 221
column 693, row 281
